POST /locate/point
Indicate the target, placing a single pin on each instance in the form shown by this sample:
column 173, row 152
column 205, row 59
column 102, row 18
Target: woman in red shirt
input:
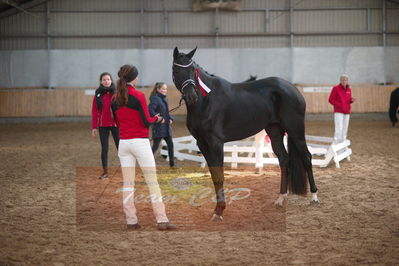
column 341, row 99
column 102, row 120
column 133, row 118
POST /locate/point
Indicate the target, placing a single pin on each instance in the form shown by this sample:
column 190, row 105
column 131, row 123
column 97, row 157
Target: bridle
column 180, row 65
column 184, row 84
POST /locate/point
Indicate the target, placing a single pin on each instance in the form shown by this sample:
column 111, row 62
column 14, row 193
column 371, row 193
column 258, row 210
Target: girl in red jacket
column 133, row 118
column 341, row 99
column 102, row 119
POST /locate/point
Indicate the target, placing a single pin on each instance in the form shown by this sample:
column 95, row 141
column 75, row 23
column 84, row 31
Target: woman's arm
column 333, row 99
column 94, row 114
column 145, row 113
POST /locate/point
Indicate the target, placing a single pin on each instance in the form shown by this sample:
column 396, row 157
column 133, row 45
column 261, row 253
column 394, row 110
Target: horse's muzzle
column 191, row 96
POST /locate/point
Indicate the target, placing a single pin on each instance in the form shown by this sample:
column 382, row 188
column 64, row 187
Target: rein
column 177, row 107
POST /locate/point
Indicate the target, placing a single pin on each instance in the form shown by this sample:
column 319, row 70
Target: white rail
column 259, row 153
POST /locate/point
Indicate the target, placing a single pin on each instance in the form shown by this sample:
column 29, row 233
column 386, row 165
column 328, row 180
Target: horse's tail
column 298, row 160
column 292, row 114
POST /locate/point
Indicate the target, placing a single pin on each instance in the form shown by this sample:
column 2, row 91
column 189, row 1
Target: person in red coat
column 133, row 118
column 341, row 98
column 102, row 120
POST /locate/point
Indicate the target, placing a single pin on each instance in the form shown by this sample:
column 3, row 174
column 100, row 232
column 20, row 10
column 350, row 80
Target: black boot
column 104, row 174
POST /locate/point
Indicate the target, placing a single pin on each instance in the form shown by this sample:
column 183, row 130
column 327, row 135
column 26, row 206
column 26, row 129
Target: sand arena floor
column 54, row 210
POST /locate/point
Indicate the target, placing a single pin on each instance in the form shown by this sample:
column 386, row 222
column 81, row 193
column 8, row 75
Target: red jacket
column 102, row 117
column 341, row 99
column 133, row 118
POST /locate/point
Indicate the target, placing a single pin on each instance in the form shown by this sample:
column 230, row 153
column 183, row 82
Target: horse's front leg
column 213, row 153
column 218, row 180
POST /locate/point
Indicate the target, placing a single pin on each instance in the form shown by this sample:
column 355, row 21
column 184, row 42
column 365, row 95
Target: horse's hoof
column 315, row 202
column 217, row 218
column 280, row 201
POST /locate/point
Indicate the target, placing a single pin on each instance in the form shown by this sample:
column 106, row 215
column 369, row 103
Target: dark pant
column 169, row 142
column 104, row 135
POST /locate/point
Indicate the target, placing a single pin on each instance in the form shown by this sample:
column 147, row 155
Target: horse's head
column 183, row 73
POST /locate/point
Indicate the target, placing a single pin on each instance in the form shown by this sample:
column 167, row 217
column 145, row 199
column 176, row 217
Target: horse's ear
column 175, row 53
column 191, row 54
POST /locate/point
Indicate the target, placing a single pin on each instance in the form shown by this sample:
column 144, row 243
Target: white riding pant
column 341, row 122
column 259, row 144
column 129, row 151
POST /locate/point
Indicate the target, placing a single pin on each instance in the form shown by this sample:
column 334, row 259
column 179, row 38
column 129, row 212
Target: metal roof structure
column 11, row 7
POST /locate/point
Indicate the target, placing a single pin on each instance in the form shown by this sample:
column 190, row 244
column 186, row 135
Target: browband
column 189, row 64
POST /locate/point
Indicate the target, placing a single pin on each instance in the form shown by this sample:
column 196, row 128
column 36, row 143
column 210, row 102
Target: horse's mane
column 251, row 78
column 203, row 70
column 251, row 83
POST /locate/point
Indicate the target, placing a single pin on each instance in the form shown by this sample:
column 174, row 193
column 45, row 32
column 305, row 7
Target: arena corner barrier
column 255, row 150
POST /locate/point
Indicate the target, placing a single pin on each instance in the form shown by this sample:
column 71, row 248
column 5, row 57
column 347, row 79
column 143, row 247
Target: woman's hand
column 94, row 132
column 160, row 119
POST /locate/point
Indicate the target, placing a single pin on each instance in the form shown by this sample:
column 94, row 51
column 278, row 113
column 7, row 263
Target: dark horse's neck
column 202, row 108
column 198, row 107
column 204, row 75
column 211, row 81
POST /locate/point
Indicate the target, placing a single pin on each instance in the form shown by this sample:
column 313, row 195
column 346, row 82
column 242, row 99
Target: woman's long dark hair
column 101, row 90
column 127, row 73
column 105, row 74
column 157, row 86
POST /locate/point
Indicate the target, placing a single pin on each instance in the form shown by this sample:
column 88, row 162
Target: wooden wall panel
column 369, row 99
column 74, row 102
column 44, row 103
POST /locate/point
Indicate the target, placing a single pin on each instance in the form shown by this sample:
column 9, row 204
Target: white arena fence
column 257, row 151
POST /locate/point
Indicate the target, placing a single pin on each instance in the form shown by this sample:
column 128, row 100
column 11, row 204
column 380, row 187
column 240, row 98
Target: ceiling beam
column 19, row 8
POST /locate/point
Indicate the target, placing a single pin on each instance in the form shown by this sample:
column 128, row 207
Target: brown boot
column 104, row 174
column 166, row 226
column 133, row 226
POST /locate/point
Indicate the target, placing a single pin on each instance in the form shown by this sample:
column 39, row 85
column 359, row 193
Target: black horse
column 393, row 106
column 219, row 111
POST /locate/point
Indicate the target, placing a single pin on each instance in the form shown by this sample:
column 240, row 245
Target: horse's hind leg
column 276, row 135
column 309, row 169
column 307, row 162
column 297, row 138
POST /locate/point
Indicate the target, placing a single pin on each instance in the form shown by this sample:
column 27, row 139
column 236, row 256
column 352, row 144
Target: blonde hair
column 344, row 76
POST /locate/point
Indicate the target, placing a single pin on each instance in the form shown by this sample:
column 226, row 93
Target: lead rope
column 177, row 107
